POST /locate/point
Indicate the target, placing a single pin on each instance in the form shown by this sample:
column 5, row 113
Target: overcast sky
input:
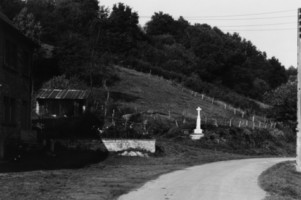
column 271, row 25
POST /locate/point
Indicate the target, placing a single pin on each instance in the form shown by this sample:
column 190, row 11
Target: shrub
column 72, row 128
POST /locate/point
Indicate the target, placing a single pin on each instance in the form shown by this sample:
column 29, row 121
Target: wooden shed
column 61, row 102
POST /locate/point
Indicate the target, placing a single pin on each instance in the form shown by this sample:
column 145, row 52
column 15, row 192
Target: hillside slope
column 155, row 94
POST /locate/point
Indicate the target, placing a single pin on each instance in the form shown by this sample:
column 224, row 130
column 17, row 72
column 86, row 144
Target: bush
column 246, row 140
column 122, row 132
column 71, row 128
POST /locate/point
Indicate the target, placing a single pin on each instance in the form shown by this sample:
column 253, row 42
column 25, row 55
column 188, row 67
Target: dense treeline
column 88, row 38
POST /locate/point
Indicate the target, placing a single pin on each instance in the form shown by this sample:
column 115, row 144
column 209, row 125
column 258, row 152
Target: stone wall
column 108, row 144
column 122, row 145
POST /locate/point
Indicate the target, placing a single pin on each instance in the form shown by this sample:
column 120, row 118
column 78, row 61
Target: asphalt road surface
column 227, row 180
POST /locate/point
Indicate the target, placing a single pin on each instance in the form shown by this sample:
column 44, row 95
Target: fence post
column 239, row 124
column 230, row 122
column 216, row 124
column 113, row 115
column 202, row 96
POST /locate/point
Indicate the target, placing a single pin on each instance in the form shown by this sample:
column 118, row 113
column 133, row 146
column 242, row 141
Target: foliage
column 61, row 82
column 82, row 127
column 89, row 38
column 284, row 102
column 27, row 24
column 239, row 140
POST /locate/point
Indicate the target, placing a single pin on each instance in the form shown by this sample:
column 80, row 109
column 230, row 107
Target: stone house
column 16, row 52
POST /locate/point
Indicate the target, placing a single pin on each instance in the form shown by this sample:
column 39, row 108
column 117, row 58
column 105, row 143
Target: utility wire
column 216, row 17
column 255, row 18
column 250, row 14
column 283, row 29
column 229, row 19
column 276, row 24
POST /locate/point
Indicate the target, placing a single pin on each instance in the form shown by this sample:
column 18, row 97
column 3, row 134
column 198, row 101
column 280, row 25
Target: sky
column 271, row 25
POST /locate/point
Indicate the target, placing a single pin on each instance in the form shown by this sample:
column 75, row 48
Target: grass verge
column 109, row 179
column 282, row 182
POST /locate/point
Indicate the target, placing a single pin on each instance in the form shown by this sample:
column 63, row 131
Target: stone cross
column 198, row 124
column 198, row 129
column 198, row 132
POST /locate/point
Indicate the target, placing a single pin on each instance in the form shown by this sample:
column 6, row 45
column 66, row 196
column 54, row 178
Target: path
column 227, row 180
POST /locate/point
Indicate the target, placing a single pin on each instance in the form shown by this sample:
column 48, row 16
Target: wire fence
column 253, row 123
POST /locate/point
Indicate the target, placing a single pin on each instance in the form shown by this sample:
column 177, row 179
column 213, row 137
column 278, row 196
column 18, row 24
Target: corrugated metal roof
column 62, row 94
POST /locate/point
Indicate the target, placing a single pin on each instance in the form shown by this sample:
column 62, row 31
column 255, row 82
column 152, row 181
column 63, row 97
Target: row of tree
column 87, row 38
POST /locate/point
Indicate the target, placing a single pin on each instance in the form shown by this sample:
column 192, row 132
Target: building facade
column 16, row 52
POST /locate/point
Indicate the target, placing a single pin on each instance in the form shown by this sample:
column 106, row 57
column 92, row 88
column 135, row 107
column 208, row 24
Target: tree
column 27, row 24
column 61, row 82
column 291, row 73
column 122, row 30
column 160, row 24
column 277, row 73
column 284, row 102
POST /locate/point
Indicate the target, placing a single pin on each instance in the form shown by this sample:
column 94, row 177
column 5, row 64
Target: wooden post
column 239, row 124
column 216, row 124
column 298, row 150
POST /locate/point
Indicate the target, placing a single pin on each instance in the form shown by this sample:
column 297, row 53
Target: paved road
column 227, row 180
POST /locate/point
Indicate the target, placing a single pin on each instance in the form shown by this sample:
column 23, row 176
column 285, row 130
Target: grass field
column 150, row 92
column 282, row 182
column 106, row 180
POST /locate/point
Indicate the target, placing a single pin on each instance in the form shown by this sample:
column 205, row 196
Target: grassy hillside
column 146, row 92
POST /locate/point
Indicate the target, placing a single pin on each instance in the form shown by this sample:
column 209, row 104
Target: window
column 10, row 55
column 9, row 110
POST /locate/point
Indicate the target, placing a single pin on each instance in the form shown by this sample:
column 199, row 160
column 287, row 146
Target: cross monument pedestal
column 198, row 132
